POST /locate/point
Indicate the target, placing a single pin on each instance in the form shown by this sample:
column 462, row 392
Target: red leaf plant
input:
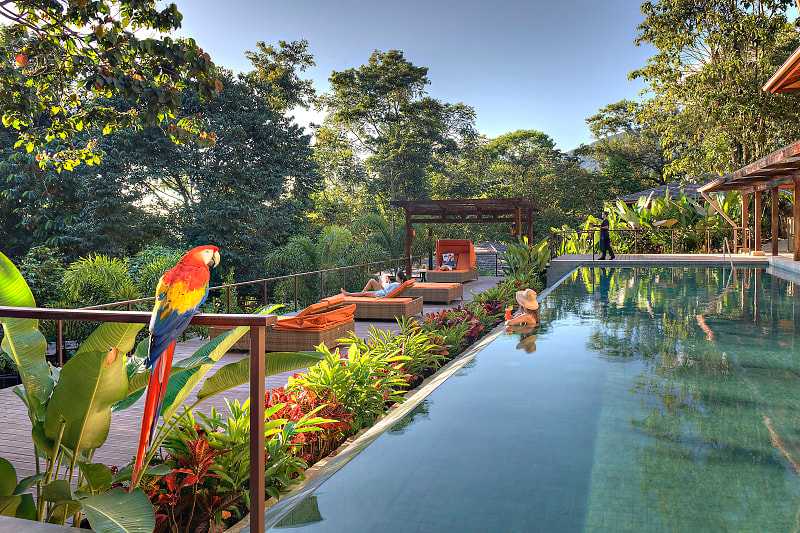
column 300, row 401
column 187, row 499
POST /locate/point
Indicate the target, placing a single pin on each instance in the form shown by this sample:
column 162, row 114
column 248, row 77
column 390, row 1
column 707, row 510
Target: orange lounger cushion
column 371, row 299
column 324, row 318
column 399, row 290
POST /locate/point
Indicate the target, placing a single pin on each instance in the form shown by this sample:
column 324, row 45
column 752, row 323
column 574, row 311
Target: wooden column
column 409, row 239
column 757, row 220
column 530, row 226
column 518, row 222
column 773, row 223
column 257, row 451
column 745, row 222
column 796, row 217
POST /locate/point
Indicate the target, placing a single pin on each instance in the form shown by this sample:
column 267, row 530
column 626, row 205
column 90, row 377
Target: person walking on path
column 605, row 239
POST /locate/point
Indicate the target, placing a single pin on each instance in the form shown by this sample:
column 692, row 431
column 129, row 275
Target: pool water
column 650, row 399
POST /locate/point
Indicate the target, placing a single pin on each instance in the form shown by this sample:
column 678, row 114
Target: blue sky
column 521, row 64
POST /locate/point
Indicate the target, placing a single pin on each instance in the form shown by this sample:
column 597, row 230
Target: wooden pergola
column 778, row 170
column 518, row 212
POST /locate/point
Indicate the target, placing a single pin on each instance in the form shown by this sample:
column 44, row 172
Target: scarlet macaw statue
column 181, row 292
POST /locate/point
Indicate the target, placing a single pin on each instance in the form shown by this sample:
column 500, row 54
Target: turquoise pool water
column 651, row 399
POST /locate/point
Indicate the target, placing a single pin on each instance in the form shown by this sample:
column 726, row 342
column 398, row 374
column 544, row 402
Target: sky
column 522, row 64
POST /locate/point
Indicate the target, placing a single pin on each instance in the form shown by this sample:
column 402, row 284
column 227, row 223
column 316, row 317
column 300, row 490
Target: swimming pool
column 651, row 399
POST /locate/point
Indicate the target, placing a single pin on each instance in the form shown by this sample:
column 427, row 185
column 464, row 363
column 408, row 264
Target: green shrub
column 43, row 269
column 363, row 382
column 147, row 266
column 98, row 279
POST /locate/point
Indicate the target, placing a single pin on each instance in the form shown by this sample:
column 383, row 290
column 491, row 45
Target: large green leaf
column 137, row 376
column 190, row 371
column 118, row 511
column 111, row 335
column 8, row 478
column 23, row 341
column 238, row 373
column 90, row 383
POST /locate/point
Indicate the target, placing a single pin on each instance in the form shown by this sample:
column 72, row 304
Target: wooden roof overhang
column 470, row 211
column 787, row 77
column 778, row 169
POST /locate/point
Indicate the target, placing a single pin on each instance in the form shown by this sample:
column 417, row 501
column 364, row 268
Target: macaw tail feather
column 156, row 389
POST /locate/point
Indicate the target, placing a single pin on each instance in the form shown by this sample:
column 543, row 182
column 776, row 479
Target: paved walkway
column 15, row 439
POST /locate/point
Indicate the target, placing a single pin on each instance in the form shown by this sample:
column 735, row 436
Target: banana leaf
column 118, row 511
column 23, row 341
column 238, row 373
column 90, row 383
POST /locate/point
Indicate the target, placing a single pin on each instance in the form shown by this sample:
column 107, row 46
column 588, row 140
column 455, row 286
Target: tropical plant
column 70, row 413
column 416, row 346
column 363, row 382
column 209, row 470
column 296, row 404
column 522, row 257
column 98, row 279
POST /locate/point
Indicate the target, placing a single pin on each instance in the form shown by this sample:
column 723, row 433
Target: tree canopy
column 65, row 60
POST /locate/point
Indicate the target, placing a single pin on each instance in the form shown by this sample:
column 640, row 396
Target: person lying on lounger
column 378, row 288
column 529, row 306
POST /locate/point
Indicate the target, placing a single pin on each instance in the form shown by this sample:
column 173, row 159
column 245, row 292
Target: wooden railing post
column 60, row 342
column 257, row 453
column 296, row 291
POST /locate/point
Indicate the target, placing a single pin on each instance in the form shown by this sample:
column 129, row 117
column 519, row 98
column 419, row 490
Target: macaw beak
column 214, row 260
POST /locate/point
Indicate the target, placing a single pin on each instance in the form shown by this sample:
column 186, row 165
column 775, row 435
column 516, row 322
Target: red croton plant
column 186, row 498
column 299, row 401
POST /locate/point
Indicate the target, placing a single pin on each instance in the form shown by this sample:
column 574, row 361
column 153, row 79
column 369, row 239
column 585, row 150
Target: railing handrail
column 133, row 317
column 261, row 281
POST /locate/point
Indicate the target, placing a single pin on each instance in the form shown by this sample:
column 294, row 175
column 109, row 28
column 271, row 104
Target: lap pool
column 650, row 399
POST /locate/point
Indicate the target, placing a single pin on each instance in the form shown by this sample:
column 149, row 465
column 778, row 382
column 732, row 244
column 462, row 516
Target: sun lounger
column 436, row 292
column 466, row 262
column 389, row 307
column 323, row 322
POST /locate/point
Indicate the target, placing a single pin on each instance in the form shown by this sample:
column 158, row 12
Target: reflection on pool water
column 651, row 399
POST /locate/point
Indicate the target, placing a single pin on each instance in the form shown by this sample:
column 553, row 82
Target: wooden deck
column 15, row 439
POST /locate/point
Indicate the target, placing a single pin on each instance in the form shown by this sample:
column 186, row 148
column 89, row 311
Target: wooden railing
column 258, row 324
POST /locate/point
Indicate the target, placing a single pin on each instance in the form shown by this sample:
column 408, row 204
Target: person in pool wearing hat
column 529, row 306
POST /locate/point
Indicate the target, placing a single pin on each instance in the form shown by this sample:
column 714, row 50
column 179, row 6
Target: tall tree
column 628, row 151
column 384, row 109
column 711, row 60
column 526, row 163
column 64, row 59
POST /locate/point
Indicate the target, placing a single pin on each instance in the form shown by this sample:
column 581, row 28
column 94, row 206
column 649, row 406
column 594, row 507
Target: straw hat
column 527, row 299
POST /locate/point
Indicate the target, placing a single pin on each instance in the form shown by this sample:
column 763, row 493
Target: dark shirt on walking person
column 605, row 239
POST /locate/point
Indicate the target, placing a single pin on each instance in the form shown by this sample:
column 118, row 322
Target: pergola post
column 757, row 221
column 773, row 223
column 796, row 217
column 530, row 226
column 745, row 222
column 517, row 222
